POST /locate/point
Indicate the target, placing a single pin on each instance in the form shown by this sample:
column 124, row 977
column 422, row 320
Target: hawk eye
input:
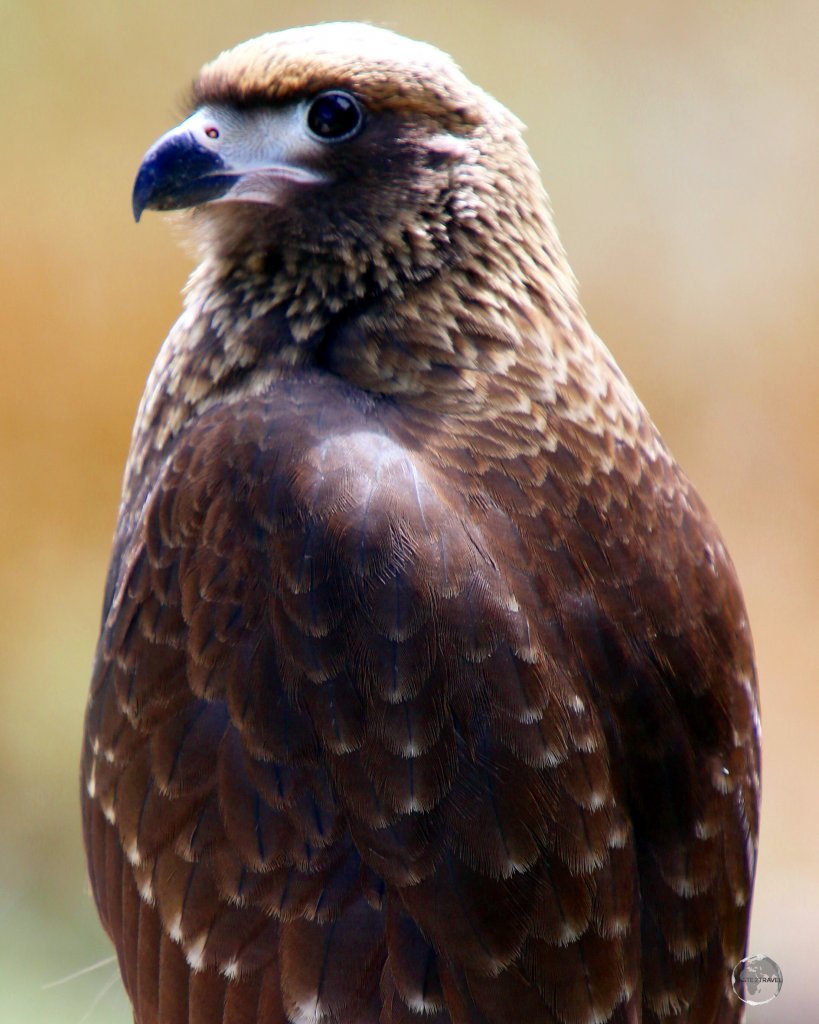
column 335, row 116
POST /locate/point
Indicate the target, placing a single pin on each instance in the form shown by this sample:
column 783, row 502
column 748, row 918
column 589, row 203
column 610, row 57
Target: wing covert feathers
column 340, row 766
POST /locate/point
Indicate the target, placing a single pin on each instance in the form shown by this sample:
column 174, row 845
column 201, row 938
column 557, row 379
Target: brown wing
column 637, row 592
column 360, row 751
column 665, row 647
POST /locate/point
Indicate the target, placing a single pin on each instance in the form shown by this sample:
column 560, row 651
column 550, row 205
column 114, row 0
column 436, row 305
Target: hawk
column 424, row 692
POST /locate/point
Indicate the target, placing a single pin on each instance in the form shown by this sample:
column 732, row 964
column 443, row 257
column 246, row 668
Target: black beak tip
column 151, row 184
column 137, row 201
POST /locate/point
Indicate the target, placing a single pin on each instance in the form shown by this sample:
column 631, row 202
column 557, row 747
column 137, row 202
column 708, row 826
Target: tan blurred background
column 679, row 144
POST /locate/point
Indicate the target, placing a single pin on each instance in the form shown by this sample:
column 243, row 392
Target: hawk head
column 329, row 138
column 346, row 174
column 370, row 152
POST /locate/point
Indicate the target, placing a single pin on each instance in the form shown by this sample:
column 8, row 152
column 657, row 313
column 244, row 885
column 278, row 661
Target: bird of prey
column 425, row 691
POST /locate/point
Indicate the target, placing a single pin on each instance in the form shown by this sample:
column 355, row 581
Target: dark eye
column 334, row 116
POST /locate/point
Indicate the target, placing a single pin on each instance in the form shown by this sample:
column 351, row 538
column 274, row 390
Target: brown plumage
column 425, row 691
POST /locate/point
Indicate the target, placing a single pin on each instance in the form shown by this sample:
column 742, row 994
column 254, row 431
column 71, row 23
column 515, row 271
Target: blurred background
column 680, row 145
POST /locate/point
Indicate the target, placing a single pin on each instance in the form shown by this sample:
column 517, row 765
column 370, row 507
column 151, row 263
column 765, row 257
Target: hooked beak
column 184, row 168
column 177, row 172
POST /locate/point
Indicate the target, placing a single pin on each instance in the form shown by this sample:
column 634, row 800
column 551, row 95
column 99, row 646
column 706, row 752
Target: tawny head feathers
column 388, row 71
column 350, row 142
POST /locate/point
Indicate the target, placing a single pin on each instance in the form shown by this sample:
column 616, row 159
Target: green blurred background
column 679, row 145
